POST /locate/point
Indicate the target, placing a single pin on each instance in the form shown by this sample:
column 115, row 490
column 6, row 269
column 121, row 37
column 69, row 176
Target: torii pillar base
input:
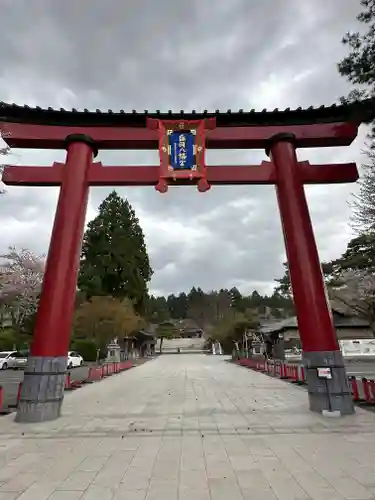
column 329, row 396
column 42, row 391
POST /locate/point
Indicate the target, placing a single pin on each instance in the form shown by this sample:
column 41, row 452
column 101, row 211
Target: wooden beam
column 17, row 175
column 18, row 135
column 149, row 175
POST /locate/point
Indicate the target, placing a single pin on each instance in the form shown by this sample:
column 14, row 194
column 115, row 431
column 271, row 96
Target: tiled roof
column 359, row 111
column 340, row 320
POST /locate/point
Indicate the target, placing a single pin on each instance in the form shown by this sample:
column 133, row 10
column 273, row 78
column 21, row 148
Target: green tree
column 359, row 255
column 8, row 339
column 359, row 68
column 284, row 289
column 156, row 309
column 86, row 348
column 197, row 306
column 165, row 330
column 363, row 202
column 233, row 327
column 114, row 260
column 101, row 319
column 178, row 305
column 236, row 298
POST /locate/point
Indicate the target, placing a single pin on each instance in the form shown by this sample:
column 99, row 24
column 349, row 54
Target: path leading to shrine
column 189, row 427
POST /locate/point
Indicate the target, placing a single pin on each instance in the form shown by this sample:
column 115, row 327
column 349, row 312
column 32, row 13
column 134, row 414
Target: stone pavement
column 189, row 427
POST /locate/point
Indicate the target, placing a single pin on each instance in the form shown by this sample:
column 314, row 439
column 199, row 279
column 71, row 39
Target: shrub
column 86, row 348
column 7, row 340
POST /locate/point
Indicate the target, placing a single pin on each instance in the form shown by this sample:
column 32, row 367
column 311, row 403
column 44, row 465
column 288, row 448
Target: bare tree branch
column 356, row 290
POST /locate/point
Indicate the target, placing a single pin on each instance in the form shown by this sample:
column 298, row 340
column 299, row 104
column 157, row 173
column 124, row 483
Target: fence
column 95, row 374
column 363, row 389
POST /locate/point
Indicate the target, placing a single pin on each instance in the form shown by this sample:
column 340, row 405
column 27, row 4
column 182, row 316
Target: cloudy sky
column 168, row 54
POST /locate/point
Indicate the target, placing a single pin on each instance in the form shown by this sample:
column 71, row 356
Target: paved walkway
column 189, row 427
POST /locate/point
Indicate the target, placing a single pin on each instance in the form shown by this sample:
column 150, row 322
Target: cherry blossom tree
column 21, row 277
column 4, row 150
column 355, row 289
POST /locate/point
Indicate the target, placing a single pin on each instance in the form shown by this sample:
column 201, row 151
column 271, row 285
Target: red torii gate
column 84, row 133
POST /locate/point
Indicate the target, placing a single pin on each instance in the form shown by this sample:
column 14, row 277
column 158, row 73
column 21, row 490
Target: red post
column 53, row 322
column 314, row 316
column 354, row 385
column 366, row 389
column 19, row 393
column 67, row 382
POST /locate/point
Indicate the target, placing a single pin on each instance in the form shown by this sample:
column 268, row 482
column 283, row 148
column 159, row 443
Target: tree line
column 206, row 308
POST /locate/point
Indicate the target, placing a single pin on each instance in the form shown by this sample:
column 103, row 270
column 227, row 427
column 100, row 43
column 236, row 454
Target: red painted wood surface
column 18, row 135
column 55, row 311
column 315, row 323
column 149, row 175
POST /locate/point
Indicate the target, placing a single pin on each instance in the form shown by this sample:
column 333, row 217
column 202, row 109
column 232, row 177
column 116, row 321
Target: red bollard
column 91, row 375
column 94, row 374
column 367, row 391
column 354, row 386
column 301, row 374
column 68, row 384
column 19, row 392
column 372, row 390
column 295, row 373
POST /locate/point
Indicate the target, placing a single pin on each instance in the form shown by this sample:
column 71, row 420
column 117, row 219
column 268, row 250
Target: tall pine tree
column 114, row 258
column 359, row 68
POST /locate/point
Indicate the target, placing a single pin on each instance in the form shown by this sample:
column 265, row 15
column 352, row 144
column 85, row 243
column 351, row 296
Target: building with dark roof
column 284, row 334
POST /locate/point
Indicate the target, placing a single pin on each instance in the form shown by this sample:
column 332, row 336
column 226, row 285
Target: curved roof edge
column 358, row 111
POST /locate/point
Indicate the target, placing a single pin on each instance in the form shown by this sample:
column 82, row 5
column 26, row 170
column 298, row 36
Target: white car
column 74, row 359
column 7, row 359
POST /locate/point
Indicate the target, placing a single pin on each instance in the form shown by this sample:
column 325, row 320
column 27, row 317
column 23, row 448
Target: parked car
column 7, row 359
column 74, row 359
column 20, row 360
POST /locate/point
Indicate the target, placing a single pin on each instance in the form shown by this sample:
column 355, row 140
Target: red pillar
column 56, row 306
column 53, row 322
column 313, row 313
column 315, row 322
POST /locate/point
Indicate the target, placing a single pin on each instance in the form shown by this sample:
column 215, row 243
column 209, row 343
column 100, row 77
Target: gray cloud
column 140, row 55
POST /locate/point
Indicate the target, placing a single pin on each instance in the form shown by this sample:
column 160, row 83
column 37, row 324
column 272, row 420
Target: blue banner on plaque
column 182, row 150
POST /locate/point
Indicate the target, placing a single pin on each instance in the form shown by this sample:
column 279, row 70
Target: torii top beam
column 337, row 125
column 25, row 127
